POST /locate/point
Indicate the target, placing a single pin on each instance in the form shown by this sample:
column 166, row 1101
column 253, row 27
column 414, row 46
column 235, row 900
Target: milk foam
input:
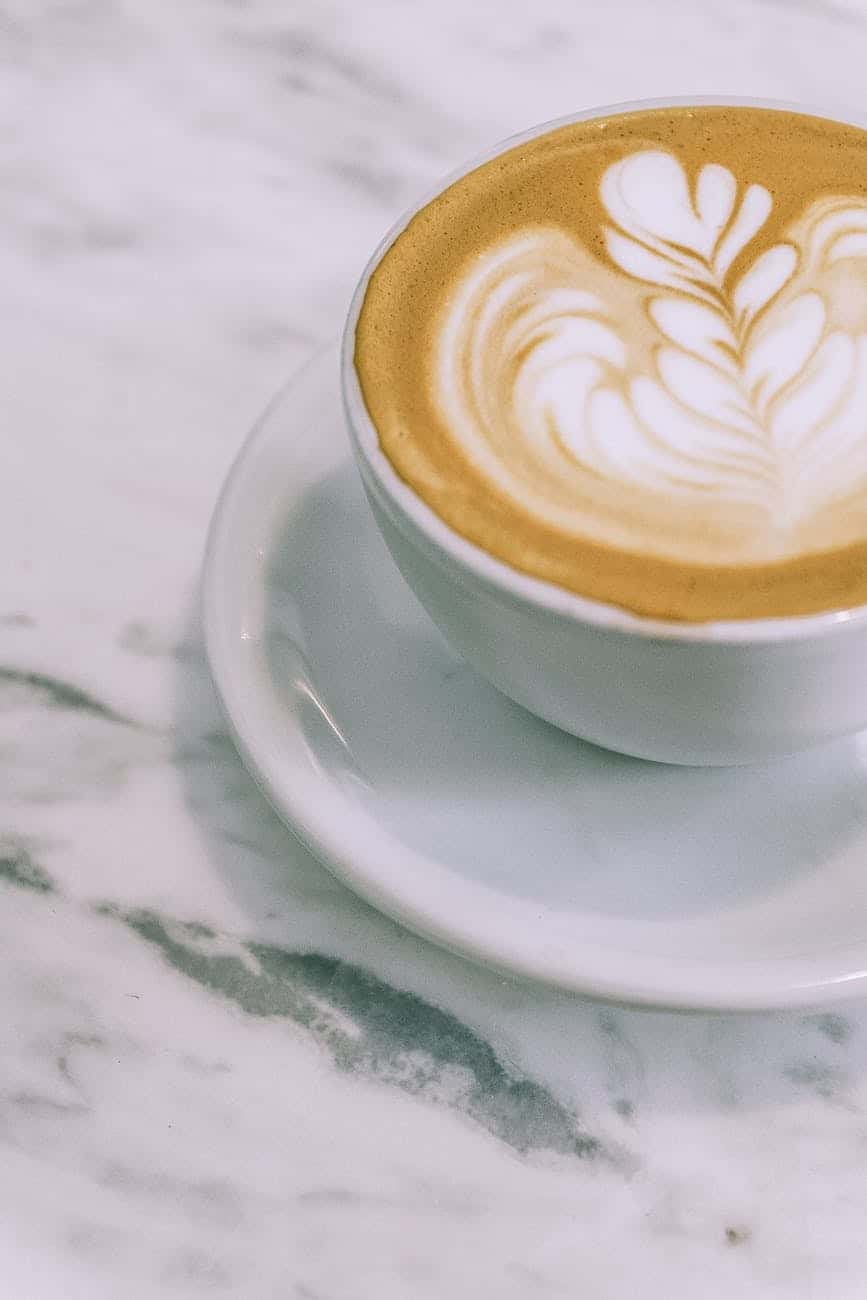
column 616, row 398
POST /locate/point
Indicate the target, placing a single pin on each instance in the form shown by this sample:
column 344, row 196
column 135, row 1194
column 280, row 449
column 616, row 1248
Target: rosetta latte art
column 680, row 375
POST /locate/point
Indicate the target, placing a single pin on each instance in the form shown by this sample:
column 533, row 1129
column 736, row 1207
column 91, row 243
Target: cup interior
column 425, row 528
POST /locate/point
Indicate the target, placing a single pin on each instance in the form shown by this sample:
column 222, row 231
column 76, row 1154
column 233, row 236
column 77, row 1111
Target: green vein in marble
column 832, row 1026
column 18, row 868
column 62, row 695
column 372, row 1029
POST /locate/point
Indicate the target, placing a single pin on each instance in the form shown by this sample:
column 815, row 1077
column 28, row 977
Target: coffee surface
column 630, row 357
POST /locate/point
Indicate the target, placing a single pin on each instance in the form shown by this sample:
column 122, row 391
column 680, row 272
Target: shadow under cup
column 715, row 693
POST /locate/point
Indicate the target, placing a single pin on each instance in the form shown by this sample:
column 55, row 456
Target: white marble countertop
column 221, row 1075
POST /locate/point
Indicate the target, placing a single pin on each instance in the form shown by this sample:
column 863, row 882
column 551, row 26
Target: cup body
column 707, row 694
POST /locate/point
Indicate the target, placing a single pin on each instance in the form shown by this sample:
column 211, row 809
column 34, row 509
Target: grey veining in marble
column 221, row 1074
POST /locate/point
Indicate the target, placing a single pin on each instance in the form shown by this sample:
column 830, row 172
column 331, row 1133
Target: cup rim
column 414, row 516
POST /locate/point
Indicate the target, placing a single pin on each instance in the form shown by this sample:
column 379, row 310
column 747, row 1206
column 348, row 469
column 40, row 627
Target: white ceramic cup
column 709, row 693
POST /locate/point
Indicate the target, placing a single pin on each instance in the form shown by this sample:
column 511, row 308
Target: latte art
column 631, row 357
column 665, row 375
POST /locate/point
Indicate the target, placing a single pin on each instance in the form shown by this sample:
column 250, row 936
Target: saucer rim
column 332, row 828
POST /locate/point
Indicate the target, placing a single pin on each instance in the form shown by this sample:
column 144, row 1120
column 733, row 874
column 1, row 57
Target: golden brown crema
column 630, row 357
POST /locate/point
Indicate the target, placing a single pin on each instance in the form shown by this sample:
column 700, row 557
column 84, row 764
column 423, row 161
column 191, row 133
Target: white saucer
column 473, row 823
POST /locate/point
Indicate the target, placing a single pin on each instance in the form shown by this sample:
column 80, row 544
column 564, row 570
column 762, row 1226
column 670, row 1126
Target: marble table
column 221, row 1074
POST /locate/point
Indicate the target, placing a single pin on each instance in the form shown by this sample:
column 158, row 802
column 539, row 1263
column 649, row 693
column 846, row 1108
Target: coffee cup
column 656, row 636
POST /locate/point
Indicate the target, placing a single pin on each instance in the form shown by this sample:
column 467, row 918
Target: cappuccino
column 629, row 356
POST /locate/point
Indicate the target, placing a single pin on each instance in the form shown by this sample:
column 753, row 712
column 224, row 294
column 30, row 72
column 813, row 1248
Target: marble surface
column 221, row 1075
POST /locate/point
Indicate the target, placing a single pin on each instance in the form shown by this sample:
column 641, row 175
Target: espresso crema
column 629, row 356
